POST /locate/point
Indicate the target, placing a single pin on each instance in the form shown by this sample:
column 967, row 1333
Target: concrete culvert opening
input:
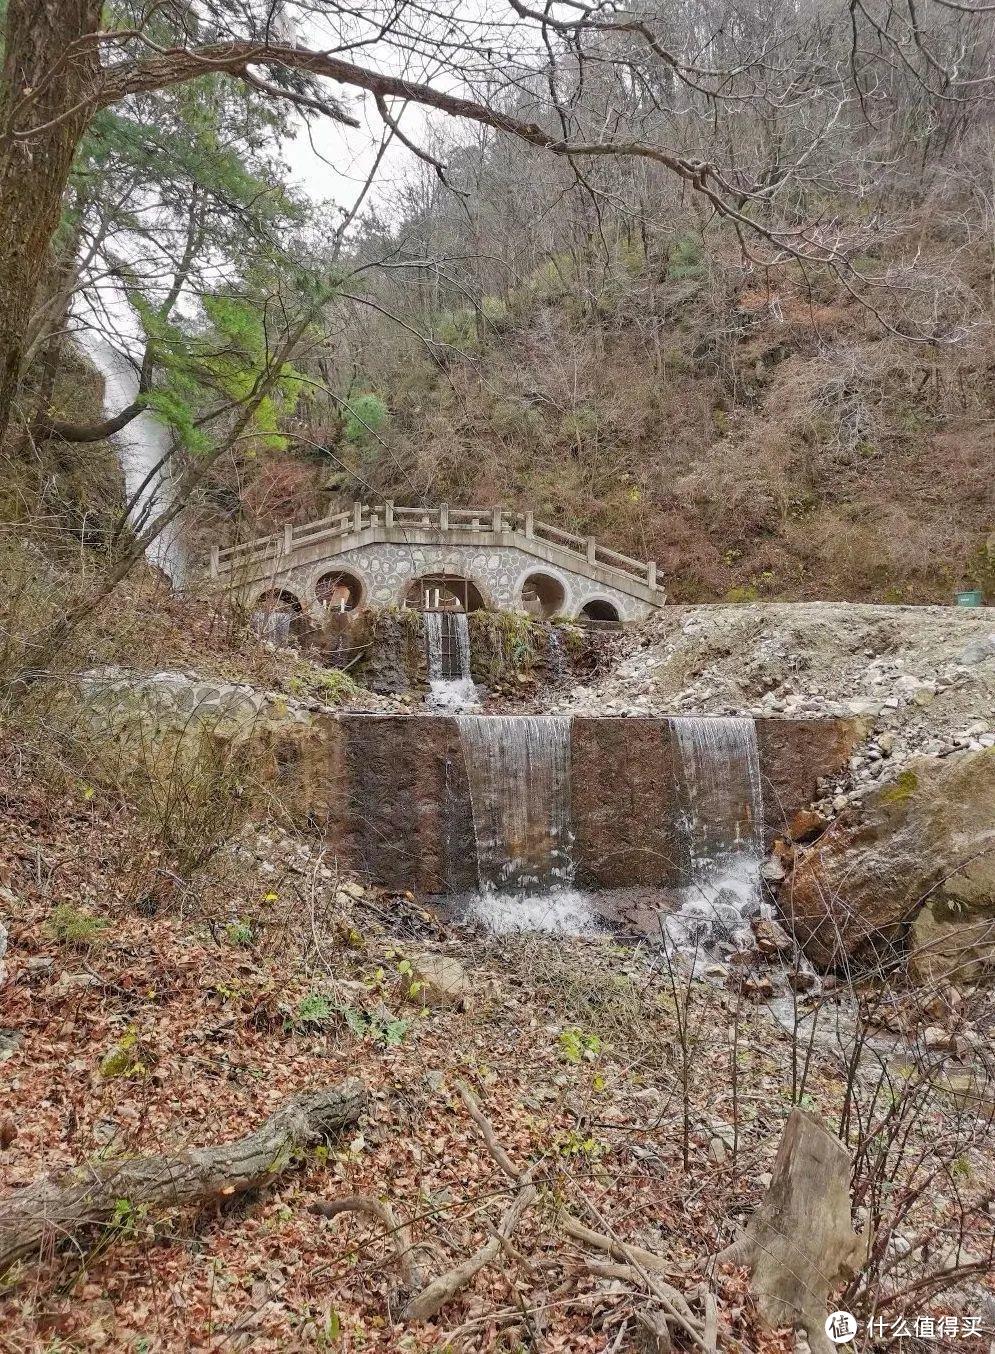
column 600, row 612
column 339, row 591
column 444, row 592
column 280, row 600
column 543, row 596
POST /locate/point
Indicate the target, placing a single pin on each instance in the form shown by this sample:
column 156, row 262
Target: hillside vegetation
column 761, row 436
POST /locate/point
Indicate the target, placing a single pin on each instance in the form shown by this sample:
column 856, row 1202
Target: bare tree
column 748, row 110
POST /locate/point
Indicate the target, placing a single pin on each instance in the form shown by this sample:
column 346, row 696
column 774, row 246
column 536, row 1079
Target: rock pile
column 923, row 678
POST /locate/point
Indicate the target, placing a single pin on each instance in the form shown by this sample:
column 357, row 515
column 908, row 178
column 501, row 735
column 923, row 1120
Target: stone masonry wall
column 387, row 570
column 390, row 792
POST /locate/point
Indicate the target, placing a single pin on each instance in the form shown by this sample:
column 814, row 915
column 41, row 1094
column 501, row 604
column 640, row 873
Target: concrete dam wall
column 409, row 800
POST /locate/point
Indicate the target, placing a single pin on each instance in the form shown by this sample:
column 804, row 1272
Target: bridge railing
column 228, row 560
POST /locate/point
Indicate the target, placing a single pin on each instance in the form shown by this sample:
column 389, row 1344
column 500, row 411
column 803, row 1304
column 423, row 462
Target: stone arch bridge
column 436, row 558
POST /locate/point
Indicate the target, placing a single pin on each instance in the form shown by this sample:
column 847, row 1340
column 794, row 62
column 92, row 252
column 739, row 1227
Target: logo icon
column 841, row 1327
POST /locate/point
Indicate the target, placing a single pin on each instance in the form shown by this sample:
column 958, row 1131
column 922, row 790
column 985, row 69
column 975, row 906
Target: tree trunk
column 801, row 1242
column 55, row 1210
column 49, row 80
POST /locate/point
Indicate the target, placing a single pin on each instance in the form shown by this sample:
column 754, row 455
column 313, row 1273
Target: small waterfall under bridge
column 447, row 652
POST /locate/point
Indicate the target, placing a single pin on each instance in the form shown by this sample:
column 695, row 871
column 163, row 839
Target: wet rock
column 771, row 938
column 773, row 870
column 920, row 849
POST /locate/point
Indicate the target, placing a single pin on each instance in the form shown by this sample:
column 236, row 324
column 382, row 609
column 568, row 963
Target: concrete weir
column 398, row 802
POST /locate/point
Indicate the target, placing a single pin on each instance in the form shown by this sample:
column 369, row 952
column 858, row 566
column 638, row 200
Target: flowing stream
column 722, row 826
column 447, row 648
column 519, row 773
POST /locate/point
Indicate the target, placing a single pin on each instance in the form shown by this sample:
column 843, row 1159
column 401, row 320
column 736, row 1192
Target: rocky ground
column 922, row 677
column 929, row 671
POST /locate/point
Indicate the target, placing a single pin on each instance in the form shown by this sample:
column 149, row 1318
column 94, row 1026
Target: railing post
column 592, row 550
column 357, row 517
column 444, row 516
column 288, row 538
column 215, row 560
column 388, row 514
column 496, row 519
column 651, row 573
column 530, row 526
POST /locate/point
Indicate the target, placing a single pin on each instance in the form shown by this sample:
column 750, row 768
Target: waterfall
column 447, row 648
column 273, row 625
column 555, row 657
column 519, row 772
column 722, row 825
column 142, row 444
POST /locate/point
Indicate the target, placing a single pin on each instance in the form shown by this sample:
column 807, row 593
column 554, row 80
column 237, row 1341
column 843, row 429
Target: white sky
column 329, row 162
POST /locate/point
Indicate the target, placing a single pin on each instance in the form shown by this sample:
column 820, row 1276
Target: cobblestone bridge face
column 385, row 573
column 383, row 555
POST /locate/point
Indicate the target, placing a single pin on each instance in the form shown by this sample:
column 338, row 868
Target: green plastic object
column 972, row 597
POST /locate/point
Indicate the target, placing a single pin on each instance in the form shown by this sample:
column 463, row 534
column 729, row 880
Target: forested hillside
column 759, row 432
column 730, row 310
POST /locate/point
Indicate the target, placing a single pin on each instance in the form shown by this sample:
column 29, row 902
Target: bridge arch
column 340, row 590
column 272, row 599
column 543, row 591
column 601, row 609
column 443, row 591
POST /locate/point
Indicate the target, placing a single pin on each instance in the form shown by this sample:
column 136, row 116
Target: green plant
column 239, row 933
column 330, row 685
column 456, row 329
column 365, row 416
column 742, row 592
column 571, row 1143
column 125, row 1059
column 576, row 1046
column 75, row 926
column 687, row 260
column 382, row 1027
column 314, row 1009
column 495, row 312
column 905, row 786
column 503, row 645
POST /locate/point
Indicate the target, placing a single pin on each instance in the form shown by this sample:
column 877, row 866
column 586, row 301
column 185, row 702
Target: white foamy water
column 519, row 773
column 557, row 910
column 447, row 645
column 722, row 825
column 142, row 444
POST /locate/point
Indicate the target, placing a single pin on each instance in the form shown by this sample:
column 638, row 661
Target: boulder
column 771, row 938
column 910, row 870
column 807, row 824
column 439, row 980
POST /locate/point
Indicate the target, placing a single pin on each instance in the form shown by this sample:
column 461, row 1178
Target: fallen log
column 58, row 1208
column 801, row 1241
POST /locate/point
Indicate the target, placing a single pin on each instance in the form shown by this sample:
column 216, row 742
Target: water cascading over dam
column 648, row 819
column 518, row 768
column 720, row 794
column 447, row 651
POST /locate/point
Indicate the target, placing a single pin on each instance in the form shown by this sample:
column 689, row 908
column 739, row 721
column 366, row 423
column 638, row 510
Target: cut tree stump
column 801, row 1242
column 58, row 1208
